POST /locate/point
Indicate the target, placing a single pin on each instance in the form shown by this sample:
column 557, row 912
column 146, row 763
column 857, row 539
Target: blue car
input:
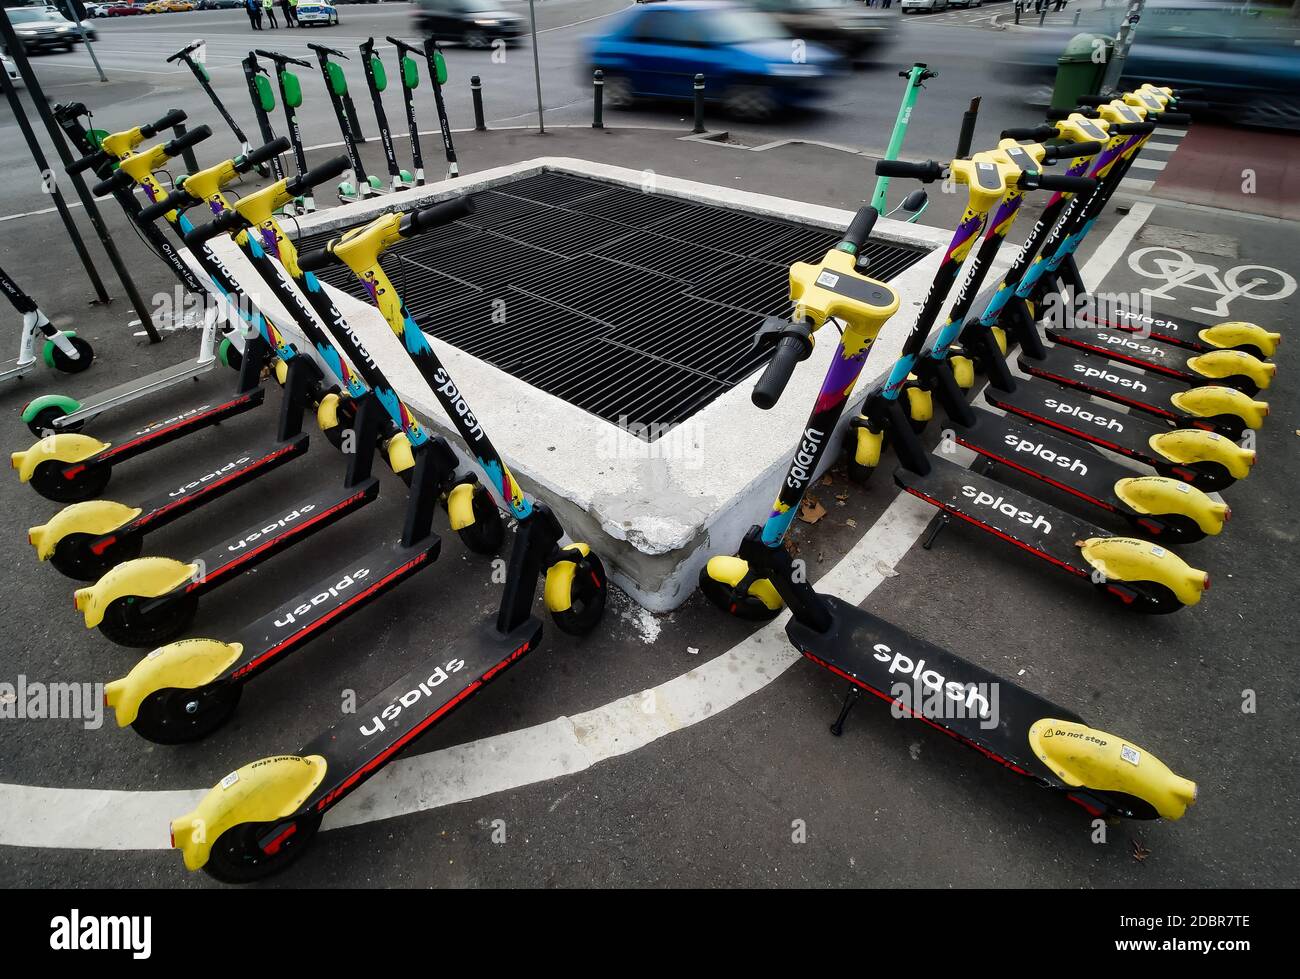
column 750, row 62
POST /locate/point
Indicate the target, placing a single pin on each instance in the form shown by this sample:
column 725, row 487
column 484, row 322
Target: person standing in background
column 254, row 9
column 268, row 8
column 290, row 14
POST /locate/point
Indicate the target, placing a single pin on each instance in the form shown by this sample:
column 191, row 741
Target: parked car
column 312, row 13
column 747, row 57
column 1243, row 60
column 11, row 70
column 45, row 29
column 97, row 9
column 125, row 9
column 930, row 6
column 845, row 26
column 475, row 23
column 221, row 4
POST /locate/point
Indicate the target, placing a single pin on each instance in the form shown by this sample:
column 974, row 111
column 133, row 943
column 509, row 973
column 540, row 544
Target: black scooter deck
column 181, row 498
column 1125, row 347
column 1016, row 517
column 963, row 700
column 1166, row 329
column 1086, row 372
column 358, row 746
column 178, row 426
column 326, row 603
column 270, row 536
column 1077, row 469
column 1075, row 415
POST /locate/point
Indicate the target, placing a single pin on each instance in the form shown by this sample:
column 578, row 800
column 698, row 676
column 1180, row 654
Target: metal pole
column 537, row 66
column 476, row 90
column 597, row 111
column 187, row 154
column 37, row 96
column 967, row 134
column 699, row 104
column 72, row 12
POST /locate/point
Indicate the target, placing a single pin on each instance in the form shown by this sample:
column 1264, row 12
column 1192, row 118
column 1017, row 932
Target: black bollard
column 187, row 154
column 476, row 89
column 598, row 105
column 699, row 104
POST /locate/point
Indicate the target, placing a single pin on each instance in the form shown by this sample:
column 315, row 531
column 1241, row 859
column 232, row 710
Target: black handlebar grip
column 1192, row 105
column 767, row 392
column 860, row 227
column 223, row 224
column 263, row 154
column 324, row 50
column 87, row 162
column 1171, row 118
column 175, row 201
column 926, row 172
column 318, row 175
column 1064, row 151
column 182, row 143
column 316, row 259
column 118, row 181
column 172, row 118
column 418, row 222
column 1035, row 133
column 1094, row 99
column 1131, row 128
column 1065, row 184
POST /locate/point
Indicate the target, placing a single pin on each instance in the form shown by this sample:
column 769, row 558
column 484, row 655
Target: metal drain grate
column 637, row 307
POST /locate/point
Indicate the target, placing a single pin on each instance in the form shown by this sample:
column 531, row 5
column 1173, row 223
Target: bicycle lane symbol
column 1178, row 270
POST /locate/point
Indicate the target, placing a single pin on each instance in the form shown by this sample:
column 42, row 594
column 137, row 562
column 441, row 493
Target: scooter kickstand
column 850, row 699
column 936, row 527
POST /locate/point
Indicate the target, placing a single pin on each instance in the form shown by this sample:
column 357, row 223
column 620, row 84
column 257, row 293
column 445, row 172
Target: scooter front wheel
column 176, row 716
column 65, row 364
column 127, row 623
column 49, row 481
column 74, row 557
column 239, row 855
column 588, row 590
column 724, row 597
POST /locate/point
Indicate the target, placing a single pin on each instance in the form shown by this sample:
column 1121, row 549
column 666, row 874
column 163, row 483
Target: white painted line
column 1165, row 131
column 1112, row 249
column 1135, row 184
column 1150, row 147
column 102, row 819
column 1149, row 164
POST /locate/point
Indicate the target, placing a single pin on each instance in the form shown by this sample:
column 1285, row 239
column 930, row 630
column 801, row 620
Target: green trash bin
column 1081, row 68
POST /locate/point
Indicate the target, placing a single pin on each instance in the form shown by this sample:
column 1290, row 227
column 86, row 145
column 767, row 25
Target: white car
column 311, row 12
column 931, row 5
column 11, row 70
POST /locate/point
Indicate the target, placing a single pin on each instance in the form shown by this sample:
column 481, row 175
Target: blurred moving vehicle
column 1245, row 60
column 965, row 3
column 221, row 4
column 313, row 13
column 11, row 70
column 45, row 29
column 845, row 26
column 474, row 23
column 750, row 62
column 125, row 9
column 97, row 9
column 931, row 6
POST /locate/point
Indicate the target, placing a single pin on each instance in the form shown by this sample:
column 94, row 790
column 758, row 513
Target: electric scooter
column 291, row 99
column 915, row 203
column 408, row 70
column 70, row 467
column 362, row 184
column 261, row 817
column 263, row 98
column 63, row 350
column 187, row 689
column 438, row 77
column 1004, row 722
column 200, row 71
column 377, row 82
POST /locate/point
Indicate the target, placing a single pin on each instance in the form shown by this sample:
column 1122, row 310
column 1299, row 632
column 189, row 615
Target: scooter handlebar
column 418, row 222
column 175, row 201
column 1035, row 133
column 794, row 344
column 225, row 223
column 324, row 173
column 187, row 141
column 1062, row 183
column 1131, row 128
column 1066, row 151
column 255, row 158
column 172, row 118
column 110, row 185
column 328, row 51
column 316, row 259
column 1171, row 118
column 926, row 172
column 860, row 227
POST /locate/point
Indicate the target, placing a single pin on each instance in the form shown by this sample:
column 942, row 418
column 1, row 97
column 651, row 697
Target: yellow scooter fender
column 261, row 792
column 460, row 511
column 867, row 446
column 64, row 447
column 327, row 413
column 1212, row 399
column 401, row 456
column 1236, row 333
column 1084, row 757
column 1218, row 364
column 729, row 570
column 1156, row 495
column 1185, row 446
column 1130, row 559
column 145, row 577
column 184, row 665
column 558, row 590
column 93, row 517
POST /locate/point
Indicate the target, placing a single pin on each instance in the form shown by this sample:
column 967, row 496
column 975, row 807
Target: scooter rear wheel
column 48, row 480
column 42, row 423
column 587, row 599
column 485, row 534
column 237, row 856
column 1144, row 597
column 176, row 716
column 127, row 624
column 73, row 557
column 723, row 596
column 1175, row 528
